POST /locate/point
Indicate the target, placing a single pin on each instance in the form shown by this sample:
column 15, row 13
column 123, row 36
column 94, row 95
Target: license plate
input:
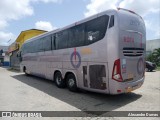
column 129, row 89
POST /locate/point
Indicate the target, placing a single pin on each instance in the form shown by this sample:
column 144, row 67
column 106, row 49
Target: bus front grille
column 133, row 52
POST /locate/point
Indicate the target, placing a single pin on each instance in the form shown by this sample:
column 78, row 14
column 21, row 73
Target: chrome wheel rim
column 58, row 80
column 71, row 82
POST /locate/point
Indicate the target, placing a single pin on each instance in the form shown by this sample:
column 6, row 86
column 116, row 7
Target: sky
column 20, row 15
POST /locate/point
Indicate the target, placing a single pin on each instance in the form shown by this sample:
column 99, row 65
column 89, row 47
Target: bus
column 104, row 53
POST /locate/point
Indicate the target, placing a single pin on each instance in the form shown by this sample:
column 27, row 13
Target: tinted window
column 39, row 43
column 61, row 39
column 111, row 24
column 31, row 46
column 53, row 42
column 23, row 49
column 47, row 43
column 36, row 46
column 76, row 36
column 96, row 29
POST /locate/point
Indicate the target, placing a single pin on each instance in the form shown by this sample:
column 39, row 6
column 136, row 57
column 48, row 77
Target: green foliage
column 154, row 57
column 158, row 68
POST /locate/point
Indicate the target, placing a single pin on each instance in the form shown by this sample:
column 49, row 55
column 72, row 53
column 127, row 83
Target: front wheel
column 71, row 83
column 58, row 80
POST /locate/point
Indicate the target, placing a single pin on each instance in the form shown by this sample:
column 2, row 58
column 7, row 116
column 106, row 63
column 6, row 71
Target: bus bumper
column 125, row 87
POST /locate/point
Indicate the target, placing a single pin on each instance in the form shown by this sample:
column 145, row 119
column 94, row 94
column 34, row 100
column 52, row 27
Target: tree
column 154, row 57
column 156, row 54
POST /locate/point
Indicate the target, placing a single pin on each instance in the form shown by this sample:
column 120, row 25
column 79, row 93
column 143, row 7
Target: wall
column 14, row 60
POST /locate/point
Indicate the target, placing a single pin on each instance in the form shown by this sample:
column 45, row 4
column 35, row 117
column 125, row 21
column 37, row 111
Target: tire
column 71, row 83
column 58, row 80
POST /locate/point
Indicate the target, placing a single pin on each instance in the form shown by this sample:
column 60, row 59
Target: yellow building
column 23, row 36
column 14, row 47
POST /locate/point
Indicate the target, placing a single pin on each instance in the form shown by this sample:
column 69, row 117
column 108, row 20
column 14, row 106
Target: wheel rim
column 71, row 82
column 58, row 80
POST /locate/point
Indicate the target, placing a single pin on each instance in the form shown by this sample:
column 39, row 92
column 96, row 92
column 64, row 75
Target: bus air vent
column 133, row 52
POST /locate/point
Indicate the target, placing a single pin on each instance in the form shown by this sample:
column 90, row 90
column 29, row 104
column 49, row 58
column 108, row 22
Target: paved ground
column 27, row 93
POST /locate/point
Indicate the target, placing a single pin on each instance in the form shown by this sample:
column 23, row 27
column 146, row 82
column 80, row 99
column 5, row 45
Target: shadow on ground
column 85, row 101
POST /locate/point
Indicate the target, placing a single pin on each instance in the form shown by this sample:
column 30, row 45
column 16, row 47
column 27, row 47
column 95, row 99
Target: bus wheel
column 58, row 80
column 71, row 83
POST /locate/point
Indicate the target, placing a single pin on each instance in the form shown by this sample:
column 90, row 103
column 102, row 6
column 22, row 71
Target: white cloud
column 6, row 38
column 96, row 6
column 146, row 8
column 47, row 1
column 15, row 10
column 141, row 7
column 44, row 25
column 3, row 24
column 152, row 27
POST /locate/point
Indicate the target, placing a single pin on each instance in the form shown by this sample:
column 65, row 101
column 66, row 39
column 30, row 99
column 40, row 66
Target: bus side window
column 54, row 42
column 40, row 45
column 76, row 36
column 111, row 24
column 47, row 43
column 62, row 39
column 96, row 29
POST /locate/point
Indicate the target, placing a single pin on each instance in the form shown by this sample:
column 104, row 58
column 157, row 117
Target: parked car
column 150, row 66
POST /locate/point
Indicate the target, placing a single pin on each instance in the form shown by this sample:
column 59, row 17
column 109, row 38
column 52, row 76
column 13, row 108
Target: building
column 4, row 56
column 14, row 47
column 151, row 45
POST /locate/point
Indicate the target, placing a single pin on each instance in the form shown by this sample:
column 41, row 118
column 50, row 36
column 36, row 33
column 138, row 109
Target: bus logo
column 75, row 59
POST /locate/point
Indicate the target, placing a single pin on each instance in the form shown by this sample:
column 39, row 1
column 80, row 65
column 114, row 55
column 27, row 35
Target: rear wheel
column 58, row 80
column 71, row 83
